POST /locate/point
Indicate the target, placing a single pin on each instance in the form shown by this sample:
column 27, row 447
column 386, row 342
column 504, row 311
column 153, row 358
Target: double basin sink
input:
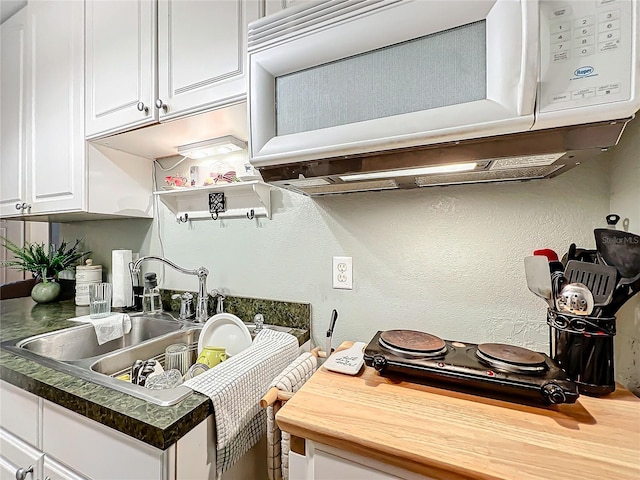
column 76, row 351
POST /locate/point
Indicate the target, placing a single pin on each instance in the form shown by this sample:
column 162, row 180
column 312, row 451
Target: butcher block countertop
column 449, row 435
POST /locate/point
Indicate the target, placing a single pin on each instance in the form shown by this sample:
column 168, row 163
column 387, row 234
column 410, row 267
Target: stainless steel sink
column 119, row 362
column 75, row 351
column 80, row 342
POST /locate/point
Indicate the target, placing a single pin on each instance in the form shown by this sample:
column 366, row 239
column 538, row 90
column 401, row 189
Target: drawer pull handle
column 21, row 473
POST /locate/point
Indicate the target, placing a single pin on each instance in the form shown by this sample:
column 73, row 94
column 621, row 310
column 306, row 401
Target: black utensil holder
column 583, row 347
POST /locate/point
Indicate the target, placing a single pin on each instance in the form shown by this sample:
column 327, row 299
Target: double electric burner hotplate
column 489, row 369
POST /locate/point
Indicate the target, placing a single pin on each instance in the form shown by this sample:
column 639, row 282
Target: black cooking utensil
column 612, row 220
column 580, row 254
column 620, row 250
column 600, row 279
column 621, row 295
column 332, row 324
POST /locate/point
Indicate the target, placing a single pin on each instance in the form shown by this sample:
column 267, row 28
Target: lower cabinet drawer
column 96, row 451
column 16, row 454
column 54, row 471
column 19, row 412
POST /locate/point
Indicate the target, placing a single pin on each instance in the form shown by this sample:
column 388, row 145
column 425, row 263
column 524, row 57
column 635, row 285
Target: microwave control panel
column 586, row 53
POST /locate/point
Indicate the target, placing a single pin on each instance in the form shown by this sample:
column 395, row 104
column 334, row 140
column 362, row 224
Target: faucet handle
column 187, row 311
column 258, row 320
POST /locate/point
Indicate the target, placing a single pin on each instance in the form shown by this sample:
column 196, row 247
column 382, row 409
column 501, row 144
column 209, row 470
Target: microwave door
column 321, row 84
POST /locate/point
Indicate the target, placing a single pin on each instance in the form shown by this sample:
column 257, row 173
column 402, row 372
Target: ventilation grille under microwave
column 527, row 173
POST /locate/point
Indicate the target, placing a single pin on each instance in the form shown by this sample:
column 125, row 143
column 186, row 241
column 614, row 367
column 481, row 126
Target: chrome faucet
column 203, row 298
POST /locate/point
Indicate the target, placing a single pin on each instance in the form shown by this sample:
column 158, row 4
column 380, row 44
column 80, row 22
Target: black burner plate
column 460, row 369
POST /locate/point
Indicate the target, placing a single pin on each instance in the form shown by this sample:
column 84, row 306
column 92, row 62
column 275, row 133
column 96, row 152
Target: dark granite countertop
column 158, row 426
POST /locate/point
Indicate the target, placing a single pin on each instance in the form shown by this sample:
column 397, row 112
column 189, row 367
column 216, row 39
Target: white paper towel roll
column 121, row 278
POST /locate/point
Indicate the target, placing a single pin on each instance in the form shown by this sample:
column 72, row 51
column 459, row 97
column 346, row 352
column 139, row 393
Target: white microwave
column 339, row 78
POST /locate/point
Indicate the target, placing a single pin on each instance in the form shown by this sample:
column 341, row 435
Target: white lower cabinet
column 19, row 413
column 323, row 462
column 53, row 470
column 99, row 452
column 18, row 460
column 69, row 446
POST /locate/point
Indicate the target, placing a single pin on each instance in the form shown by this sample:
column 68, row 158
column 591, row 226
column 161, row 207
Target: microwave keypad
column 582, row 36
column 585, row 53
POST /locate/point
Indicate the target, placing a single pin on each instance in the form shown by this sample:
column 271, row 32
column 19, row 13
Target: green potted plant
column 45, row 263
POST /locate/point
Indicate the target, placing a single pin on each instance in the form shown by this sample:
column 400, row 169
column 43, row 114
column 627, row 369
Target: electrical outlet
column 342, row 273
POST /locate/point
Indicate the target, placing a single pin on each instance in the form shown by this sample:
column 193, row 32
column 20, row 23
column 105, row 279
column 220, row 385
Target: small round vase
column 45, row 292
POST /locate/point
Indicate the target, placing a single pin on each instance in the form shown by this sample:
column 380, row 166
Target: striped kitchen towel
column 236, row 387
column 278, row 442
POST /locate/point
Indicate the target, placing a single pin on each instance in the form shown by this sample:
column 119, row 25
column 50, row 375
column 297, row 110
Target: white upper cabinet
column 201, row 60
column 13, row 113
column 42, row 110
column 56, row 150
column 49, row 172
column 201, row 54
column 121, row 80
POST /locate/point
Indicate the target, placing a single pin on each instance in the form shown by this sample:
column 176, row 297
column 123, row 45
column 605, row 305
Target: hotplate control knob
column 553, row 393
column 379, row 362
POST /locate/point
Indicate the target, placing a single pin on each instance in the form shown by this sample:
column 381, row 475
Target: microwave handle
column 530, row 59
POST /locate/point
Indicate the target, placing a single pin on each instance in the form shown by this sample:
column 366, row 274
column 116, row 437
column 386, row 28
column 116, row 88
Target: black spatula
column 621, row 250
column 600, row 279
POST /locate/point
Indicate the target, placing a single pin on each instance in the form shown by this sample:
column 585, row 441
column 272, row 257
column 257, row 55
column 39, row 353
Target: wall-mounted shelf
column 243, row 200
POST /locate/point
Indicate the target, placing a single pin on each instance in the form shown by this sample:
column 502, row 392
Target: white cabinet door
column 19, row 412
column 202, row 54
column 99, row 452
column 16, row 455
column 323, row 462
column 12, row 113
column 120, row 69
column 55, row 120
column 330, row 467
column 54, row 471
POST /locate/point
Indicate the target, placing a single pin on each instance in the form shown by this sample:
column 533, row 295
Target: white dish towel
column 107, row 328
column 236, row 387
column 278, row 442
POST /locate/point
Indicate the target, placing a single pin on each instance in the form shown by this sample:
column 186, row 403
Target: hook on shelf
column 251, row 214
column 182, row 219
column 215, row 215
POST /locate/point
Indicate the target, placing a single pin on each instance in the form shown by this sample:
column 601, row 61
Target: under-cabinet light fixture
column 215, row 146
column 457, row 167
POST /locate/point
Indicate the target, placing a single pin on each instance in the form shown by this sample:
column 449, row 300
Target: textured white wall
column 444, row 260
column 625, row 201
column 448, row 261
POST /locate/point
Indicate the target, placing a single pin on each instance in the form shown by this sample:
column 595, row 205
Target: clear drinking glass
column 177, row 356
column 99, row 300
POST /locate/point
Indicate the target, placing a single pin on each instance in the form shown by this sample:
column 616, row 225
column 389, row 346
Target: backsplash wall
column 444, row 260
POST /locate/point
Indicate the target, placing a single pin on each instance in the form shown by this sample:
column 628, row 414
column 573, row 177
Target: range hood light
column 457, row 167
column 215, row 146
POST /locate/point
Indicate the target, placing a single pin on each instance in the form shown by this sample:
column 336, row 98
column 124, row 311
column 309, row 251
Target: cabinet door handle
column 25, row 206
column 160, row 105
column 21, row 473
column 143, row 108
column 19, row 206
